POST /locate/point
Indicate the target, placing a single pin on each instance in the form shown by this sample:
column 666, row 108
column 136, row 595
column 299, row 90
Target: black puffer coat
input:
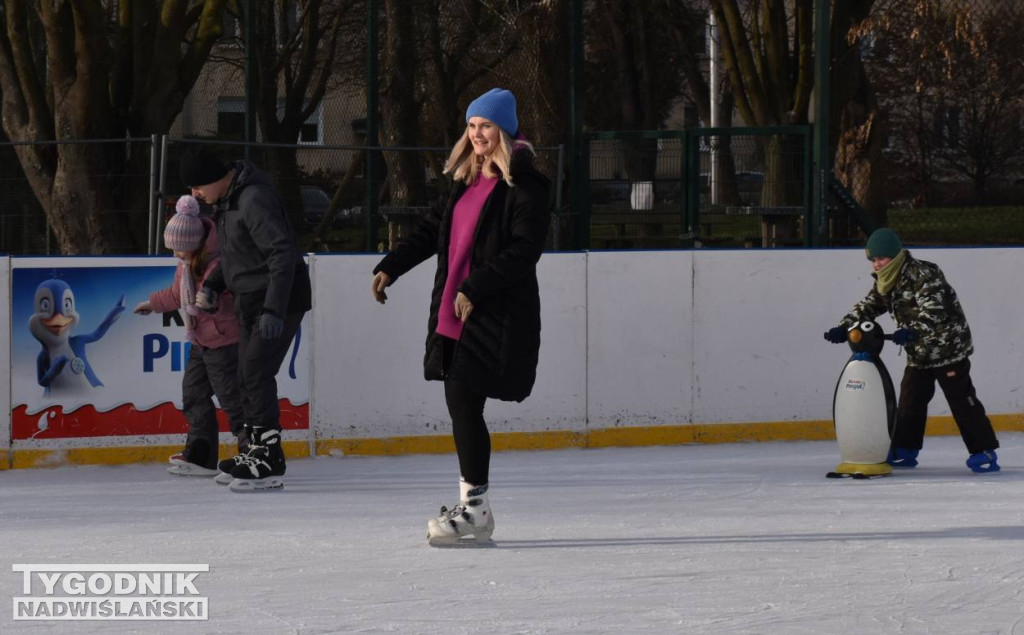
column 497, row 353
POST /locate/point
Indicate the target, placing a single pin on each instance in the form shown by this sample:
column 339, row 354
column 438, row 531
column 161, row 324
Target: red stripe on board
column 86, row 421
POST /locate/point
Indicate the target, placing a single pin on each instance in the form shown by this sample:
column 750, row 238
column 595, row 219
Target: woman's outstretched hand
column 380, row 282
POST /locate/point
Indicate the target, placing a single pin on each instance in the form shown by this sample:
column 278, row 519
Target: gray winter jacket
column 260, row 258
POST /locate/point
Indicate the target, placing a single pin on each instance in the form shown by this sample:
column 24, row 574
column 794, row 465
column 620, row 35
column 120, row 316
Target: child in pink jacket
column 212, row 367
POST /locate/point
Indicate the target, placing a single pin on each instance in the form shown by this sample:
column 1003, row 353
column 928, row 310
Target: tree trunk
column 399, row 106
column 858, row 127
column 80, row 202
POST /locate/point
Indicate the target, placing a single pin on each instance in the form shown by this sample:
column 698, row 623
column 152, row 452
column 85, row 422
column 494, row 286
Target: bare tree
column 950, row 73
column 767, row 48
column 296, row 44
column 858, row 125
column 91, row 69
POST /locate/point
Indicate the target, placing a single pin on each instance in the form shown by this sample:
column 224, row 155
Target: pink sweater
column 212, row 330
column 460, row 251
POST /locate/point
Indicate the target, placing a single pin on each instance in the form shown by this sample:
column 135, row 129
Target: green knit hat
column 883, row 243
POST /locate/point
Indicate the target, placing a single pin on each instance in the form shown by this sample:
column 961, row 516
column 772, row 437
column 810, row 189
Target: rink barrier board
column 600, row 385
column 500, row 442
column 634, row 437
column 124, row 455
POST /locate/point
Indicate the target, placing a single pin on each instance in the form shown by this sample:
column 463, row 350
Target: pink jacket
column 212, row 330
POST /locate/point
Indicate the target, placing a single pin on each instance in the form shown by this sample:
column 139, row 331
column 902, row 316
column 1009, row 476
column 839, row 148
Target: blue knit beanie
column 883, row 243
column 497, row 105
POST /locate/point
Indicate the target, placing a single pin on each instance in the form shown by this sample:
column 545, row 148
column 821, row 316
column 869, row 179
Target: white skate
column 471, row 520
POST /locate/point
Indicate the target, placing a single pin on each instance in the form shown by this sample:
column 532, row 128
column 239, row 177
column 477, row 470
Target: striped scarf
column 188, row 298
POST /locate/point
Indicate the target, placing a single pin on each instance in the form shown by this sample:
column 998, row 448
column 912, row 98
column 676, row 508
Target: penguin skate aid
column 932, row 329
column 864, row 405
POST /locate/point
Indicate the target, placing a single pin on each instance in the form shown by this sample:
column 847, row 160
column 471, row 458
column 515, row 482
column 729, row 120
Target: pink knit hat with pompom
column 185, row 231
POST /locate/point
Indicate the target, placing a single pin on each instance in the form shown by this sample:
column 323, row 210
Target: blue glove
column 901, row 337
column 836, row 335
column 270, row 326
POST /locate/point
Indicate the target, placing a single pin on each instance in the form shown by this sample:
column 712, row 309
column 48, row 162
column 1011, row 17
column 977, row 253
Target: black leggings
column 472, row 440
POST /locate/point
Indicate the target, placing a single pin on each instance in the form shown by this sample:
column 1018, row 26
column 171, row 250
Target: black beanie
column 199, row 166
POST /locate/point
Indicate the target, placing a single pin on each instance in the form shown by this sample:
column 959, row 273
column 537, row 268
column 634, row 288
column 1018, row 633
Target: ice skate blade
column 460, row 542
column 223, row 478
column 244, row 486
column 995, row 469
column 189, row 469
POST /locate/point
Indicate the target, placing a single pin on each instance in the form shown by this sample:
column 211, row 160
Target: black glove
column 836, row 334
column 270, row 326
column 903, row 336
column 207, row 300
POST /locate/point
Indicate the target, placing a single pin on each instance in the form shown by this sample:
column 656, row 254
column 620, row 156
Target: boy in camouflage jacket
column 933, row 329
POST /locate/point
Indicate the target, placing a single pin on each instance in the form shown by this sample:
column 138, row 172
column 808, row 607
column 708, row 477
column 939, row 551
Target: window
column 232, row 30
column 231, row 117
column 312, row 131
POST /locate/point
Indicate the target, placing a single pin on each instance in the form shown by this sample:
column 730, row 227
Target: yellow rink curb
column 629, row 436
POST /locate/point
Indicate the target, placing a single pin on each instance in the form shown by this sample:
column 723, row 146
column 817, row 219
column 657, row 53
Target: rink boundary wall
column 639, row 348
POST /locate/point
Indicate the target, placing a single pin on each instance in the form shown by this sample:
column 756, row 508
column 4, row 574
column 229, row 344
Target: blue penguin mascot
column 62, row 366
column 864, row 407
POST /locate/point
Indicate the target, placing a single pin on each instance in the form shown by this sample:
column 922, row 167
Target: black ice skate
column 226, row 466
column 264, row 465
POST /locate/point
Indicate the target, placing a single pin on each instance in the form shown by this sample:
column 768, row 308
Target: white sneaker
column 471, row 518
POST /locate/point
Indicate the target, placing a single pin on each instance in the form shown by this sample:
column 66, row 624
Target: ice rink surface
column 747, row 538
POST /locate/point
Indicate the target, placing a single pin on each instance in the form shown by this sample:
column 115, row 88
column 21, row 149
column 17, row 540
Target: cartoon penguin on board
column 62, row 366
column 864, row 407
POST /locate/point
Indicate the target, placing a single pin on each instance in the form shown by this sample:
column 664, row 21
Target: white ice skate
column 470, row 521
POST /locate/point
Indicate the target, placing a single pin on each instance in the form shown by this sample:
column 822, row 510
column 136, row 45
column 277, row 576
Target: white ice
column 745, row 538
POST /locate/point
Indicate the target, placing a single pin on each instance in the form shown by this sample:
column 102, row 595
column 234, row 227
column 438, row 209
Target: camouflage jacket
column 924, row 302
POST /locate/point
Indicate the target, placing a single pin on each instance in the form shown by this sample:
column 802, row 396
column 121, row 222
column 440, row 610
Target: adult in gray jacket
column 261, row 264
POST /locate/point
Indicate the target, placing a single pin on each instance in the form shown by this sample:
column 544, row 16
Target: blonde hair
column 464, row 166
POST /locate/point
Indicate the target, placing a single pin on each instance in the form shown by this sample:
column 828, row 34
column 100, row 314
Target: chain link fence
column 938, row 155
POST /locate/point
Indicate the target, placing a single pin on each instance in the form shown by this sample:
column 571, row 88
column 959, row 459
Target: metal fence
column 938, row 156
column 324, row 188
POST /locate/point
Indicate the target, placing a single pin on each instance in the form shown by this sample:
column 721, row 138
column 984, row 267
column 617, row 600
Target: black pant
column 472, row 440
column 209, row 372
column 259, row 360
column 918, row 388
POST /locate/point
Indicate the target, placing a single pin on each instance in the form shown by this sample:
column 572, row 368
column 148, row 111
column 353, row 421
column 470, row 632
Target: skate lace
column 454, row 512
column 256, row 454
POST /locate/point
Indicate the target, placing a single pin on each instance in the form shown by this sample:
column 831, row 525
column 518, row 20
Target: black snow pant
column 918, row 388
column 209, row 372
column 472, row 440
column 259, row 360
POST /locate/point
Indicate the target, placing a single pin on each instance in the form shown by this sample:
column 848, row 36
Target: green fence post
column 822, row 88
column 372, row 154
